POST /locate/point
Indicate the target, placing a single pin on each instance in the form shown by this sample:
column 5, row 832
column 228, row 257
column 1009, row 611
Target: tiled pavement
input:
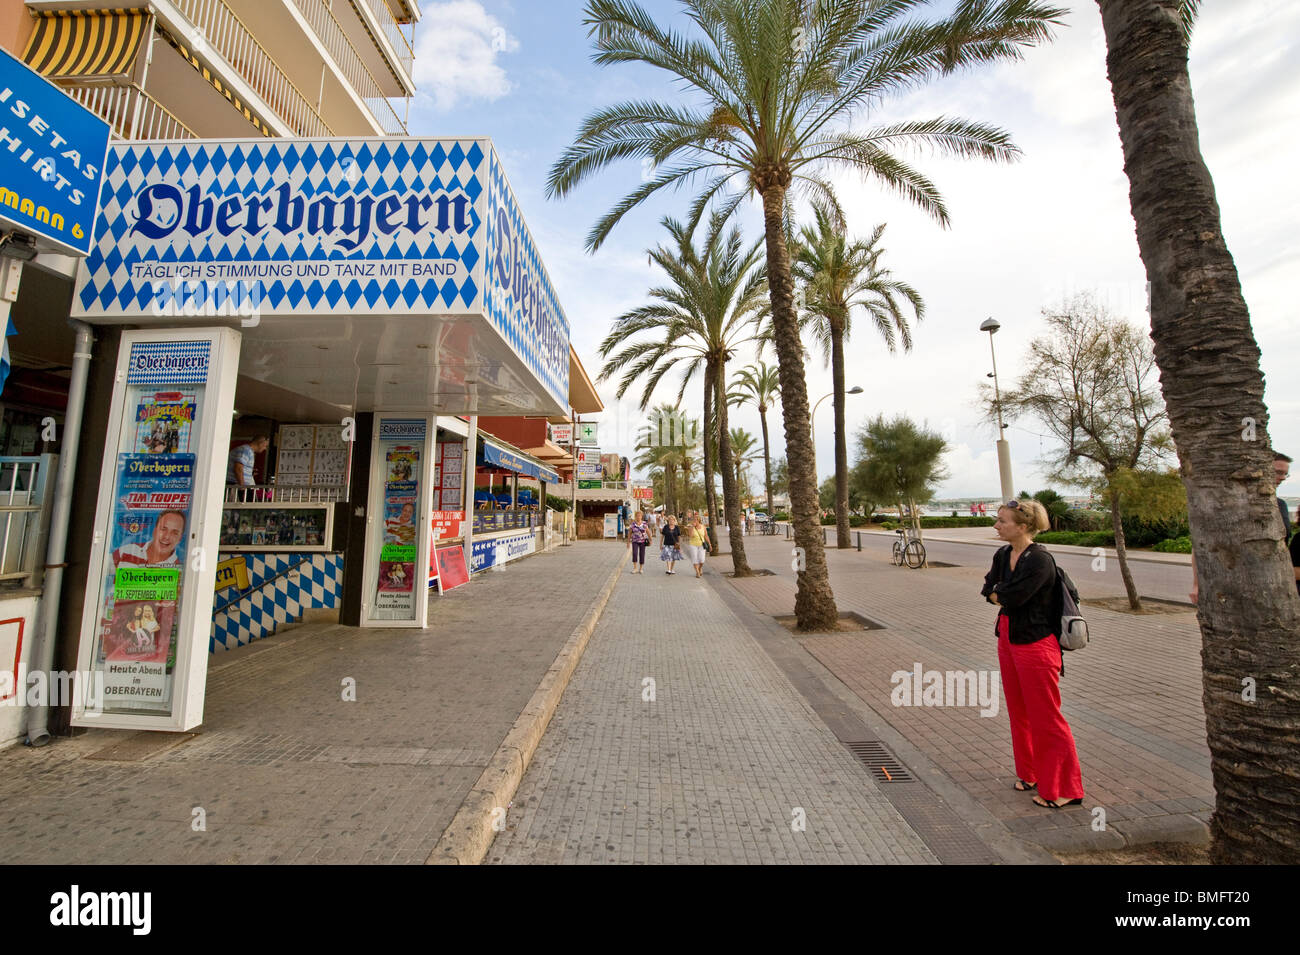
column 716, row 768
column 283, row 768
column 1133, row 697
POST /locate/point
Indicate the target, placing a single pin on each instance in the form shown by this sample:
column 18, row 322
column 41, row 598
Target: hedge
column 1176, row 545
column 1077, row 538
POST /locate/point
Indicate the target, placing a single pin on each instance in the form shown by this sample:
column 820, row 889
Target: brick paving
column 711, row 771
column 1132, row 698
column 283, row 768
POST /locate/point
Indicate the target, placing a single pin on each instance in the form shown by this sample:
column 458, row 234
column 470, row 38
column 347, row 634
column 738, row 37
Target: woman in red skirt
column 1022, row 582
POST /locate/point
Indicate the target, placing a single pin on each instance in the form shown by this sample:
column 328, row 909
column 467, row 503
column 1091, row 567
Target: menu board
column 311, row 455
column 449, row 474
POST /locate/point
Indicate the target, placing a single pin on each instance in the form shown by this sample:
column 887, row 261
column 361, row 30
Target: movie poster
column 142, row 585
column 164, row 420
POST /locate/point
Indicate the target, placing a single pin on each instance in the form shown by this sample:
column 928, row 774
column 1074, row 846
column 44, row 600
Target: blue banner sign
column 421, row 227
column 52, row 153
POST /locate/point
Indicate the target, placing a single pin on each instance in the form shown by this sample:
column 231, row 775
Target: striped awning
column 86, row 42
column 215, row 80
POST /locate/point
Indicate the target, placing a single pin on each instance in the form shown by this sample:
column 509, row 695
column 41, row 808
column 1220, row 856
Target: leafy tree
column 695, row 323
column 1090, row 381
column 662, row 444
column 839, row 277
column 760, row 386
column 776, row 94
column 742, row 452
column 900, row 462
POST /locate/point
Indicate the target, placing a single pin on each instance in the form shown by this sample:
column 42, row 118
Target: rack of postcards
column 269, row 526
column 311, row 455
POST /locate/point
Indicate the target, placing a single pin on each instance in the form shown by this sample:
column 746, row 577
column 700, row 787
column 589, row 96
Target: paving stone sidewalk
column 1132, row 697
column 714, row 769
column 284, row 769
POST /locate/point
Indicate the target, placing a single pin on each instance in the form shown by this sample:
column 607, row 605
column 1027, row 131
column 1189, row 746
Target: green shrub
column 957, row 521
column 889, row 525
column 1077, row 538
column 857, row 520
column 781, row 516
column 1175, row 545
column 1080, row 520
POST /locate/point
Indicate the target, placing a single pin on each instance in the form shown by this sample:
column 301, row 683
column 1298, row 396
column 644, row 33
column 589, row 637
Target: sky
column 1023, row 236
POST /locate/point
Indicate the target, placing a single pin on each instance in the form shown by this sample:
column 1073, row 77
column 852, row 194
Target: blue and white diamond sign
column 291, row 228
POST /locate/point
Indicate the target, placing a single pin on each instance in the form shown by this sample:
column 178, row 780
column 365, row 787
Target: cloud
column 456, row 55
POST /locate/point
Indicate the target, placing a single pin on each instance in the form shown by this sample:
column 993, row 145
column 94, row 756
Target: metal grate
column 883, row 764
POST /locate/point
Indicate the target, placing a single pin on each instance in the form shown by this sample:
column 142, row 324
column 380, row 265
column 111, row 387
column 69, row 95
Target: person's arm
column 1033, row 572
column 990, row 579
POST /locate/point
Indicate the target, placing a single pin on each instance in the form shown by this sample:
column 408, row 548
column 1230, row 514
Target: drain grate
column 883, row 764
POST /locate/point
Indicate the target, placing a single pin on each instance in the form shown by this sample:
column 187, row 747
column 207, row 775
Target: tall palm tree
column 839, row 276
column 759, row 385
column 742, row 452
column 775, row 85
column 1214, row 392
column 663, row 443
column 695, row 323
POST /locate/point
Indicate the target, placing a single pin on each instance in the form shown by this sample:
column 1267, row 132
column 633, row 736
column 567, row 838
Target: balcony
column 130, row 111
column 349, row 63
column 221, row 30
column 380, row 14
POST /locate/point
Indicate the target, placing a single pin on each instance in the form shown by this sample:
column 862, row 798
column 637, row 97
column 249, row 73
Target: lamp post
column 812, row 419
column 991, row 326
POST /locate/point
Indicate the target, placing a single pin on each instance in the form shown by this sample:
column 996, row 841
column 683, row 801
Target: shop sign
column 451, row 568
column 643, row 493
column 611, row 525
column 587, row 433
column 562, row 434
column 448, row 524
column 52, row 153
column 499, row 550
column 279, row 227
column 232, row 573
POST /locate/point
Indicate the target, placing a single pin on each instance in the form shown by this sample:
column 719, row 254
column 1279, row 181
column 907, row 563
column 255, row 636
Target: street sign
column 562, row 434
column 52, row 153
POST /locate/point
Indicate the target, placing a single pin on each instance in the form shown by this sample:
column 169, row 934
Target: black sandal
column 1023, row 787
column 1058, row 805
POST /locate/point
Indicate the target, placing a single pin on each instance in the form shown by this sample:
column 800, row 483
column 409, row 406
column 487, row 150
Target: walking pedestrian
column 697, row 543
column 672, row 535
column 1022, row 583
column 638, row 536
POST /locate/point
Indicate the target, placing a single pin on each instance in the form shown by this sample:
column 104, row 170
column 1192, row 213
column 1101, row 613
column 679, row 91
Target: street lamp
column 991, row 326
column 812, row 423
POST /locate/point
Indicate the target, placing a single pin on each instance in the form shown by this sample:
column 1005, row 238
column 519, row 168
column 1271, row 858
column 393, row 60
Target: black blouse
column 671, row 536
column 1027, row 595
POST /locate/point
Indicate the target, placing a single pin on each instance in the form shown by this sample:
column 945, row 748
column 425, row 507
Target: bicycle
column 908, row 549
column 767, row 527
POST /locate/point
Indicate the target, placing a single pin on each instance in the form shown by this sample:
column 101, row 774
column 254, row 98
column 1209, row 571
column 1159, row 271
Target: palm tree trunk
column 841, row 450
column 1214, row 391
column 710, row 448
column 730, row 483
column 1121, row 552
column 814, row 602
column 767, row 462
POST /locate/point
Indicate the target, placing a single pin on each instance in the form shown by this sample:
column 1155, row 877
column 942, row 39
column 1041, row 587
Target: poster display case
column 397, row 542
column 147, row 617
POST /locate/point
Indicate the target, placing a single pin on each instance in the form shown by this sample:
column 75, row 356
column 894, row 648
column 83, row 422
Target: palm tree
column 839, row 276
column 742, row 452
column 776, row 84
column 663, row 444
column 758, row 385
column 1214, row 393
column 695, row 323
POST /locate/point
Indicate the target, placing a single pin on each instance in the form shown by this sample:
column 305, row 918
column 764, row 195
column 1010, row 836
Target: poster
column 396, row 584
column 142, row 588
column 164, row 420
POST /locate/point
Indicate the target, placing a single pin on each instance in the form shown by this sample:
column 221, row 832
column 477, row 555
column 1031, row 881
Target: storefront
column 369, row 298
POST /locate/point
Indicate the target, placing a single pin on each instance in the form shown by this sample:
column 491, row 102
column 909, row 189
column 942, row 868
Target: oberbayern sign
column 51, row 160
column 322, row 227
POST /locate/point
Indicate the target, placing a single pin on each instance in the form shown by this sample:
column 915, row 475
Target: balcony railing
column 267, row 493
column 226, row 33
column 392, row 30
column 130, row 111
column 331, row 33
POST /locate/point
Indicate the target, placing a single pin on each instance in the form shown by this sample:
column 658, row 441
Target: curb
column 1180, row 827
column 468, row 837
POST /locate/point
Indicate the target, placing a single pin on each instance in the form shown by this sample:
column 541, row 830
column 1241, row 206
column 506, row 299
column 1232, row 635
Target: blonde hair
column 1030, row 515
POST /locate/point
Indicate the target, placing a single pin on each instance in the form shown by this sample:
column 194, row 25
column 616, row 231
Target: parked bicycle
column 908, row 549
